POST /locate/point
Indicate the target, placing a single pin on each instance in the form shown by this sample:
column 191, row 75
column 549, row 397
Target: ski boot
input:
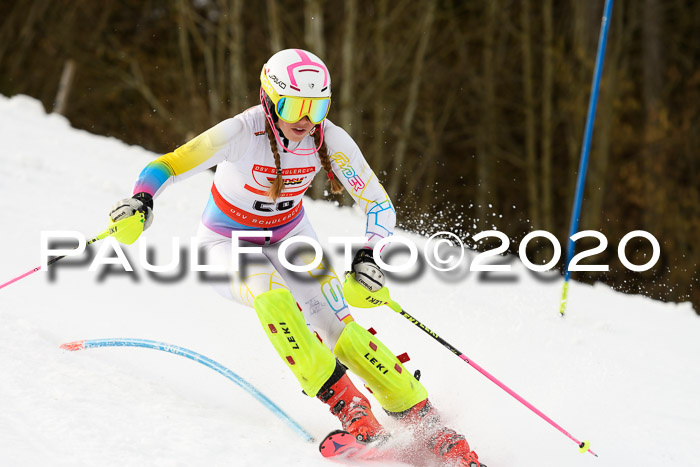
column 442, row 441
column 351, row 407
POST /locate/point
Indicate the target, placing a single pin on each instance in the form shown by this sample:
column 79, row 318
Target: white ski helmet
column 295, row 83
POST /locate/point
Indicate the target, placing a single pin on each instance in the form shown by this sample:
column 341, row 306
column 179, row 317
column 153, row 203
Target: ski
column 342, row 444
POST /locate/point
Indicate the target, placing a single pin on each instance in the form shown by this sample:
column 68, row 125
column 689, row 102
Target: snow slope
column 619, row 370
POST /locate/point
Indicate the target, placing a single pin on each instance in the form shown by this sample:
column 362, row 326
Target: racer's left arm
column 353, row 171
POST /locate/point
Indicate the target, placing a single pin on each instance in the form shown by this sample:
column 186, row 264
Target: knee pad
column 311, row 362
column 393, row 386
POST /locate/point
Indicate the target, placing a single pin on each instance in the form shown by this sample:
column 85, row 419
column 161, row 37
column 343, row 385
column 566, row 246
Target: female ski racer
column 266, row 158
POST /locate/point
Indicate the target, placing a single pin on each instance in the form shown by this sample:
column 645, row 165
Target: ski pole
column 583, row 445
column 359, row 296
column 122, row 230
column 100, row 236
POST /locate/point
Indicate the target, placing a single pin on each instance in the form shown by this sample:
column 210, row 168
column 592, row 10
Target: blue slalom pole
column 586, row 148
column 206, row 361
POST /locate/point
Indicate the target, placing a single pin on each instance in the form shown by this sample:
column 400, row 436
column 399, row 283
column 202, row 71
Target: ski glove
column 130, row 206
column 367, row 273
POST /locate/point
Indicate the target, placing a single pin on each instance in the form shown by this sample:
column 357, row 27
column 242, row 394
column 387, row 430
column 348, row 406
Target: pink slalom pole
column 583, row 445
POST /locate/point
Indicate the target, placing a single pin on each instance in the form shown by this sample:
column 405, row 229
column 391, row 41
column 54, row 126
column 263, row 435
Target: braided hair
column 276, row 189
column 336, row 186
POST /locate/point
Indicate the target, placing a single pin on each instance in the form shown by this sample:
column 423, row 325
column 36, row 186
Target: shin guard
column 393, row 386
column 311, row 362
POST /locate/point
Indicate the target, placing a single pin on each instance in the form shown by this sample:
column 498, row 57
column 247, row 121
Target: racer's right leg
column 260, row 285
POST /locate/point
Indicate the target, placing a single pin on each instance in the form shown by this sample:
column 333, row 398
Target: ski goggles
column 292, row 109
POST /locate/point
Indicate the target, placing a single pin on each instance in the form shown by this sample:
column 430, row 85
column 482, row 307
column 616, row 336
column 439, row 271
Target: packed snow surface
column 618, row 370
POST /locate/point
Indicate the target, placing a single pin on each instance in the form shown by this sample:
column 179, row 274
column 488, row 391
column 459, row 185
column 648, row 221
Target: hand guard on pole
column 130, row 217
column 367, row 273
column 140, row 202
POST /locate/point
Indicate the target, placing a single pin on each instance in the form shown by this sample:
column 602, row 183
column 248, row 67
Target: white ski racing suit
column 240, row 149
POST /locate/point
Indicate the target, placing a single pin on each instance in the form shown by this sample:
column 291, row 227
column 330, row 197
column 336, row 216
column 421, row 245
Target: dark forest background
column 471, row 112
